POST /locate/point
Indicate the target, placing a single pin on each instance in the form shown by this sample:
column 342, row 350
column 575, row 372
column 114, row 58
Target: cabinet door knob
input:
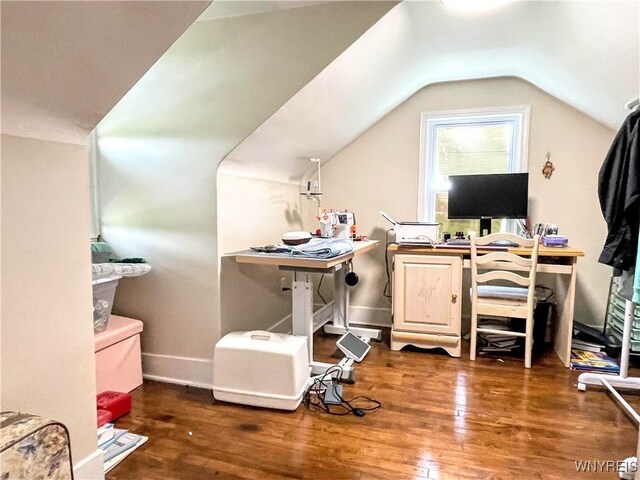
column 454, row 297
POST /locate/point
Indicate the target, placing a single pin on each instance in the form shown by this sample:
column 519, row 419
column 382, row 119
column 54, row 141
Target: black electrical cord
column 318, row 289
column 387, row 286
column 347, row 407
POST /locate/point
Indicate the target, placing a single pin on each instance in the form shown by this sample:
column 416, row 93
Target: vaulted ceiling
column 66, row 64
column 232, row 69
column 584, row 53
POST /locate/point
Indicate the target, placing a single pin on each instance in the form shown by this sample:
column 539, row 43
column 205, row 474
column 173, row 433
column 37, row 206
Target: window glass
column 467, row 144
column 456, row 225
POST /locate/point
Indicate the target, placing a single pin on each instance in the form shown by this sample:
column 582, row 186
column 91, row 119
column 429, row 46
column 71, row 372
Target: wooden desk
column 302, row 296
column 559, row 261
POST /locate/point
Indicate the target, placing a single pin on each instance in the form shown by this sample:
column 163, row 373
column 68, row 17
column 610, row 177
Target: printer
column 417, row 233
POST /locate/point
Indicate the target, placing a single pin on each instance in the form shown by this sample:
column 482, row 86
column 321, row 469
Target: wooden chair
column 501, row 301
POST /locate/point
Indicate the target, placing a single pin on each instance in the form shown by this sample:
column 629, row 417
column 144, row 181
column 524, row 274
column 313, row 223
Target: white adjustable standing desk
column 302, row 296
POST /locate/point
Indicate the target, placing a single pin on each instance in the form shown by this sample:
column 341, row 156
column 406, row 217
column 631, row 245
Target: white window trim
column 92, row 153
column 430, row 119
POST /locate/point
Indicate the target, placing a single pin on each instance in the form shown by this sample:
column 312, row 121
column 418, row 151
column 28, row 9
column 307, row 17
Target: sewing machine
column 337, row 224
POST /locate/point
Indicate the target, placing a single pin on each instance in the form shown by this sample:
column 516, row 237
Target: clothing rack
column 630, row 105
column 622, row 380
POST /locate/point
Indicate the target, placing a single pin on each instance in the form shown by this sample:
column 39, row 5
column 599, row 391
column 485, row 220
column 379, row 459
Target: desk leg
column 341, row 300
column 302, row 308
column 563, row 331
column 340, row 323
column 302, row 323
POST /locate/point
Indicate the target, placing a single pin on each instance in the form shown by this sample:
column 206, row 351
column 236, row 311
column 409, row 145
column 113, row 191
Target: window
column 468, row 142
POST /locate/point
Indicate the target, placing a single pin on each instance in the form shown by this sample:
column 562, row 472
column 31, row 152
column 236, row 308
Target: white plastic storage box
column 262, row 369
column 104, row 291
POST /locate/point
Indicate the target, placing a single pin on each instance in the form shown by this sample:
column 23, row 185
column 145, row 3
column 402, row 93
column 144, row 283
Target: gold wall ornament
column 548, row 168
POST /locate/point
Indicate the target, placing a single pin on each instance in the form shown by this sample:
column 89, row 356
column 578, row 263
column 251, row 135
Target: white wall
column 159, row 150
column 379, row 171
column 255, row 212
column 66, row 64
column 158, row 202
column 47, row 331
column 553, row 45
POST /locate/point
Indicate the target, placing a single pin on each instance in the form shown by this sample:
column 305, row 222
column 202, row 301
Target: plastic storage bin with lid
column 104, row 291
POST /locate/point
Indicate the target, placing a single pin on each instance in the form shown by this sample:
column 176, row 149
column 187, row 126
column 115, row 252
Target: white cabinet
column 426, row 302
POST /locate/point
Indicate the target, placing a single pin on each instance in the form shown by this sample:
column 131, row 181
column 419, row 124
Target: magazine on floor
column 593, row 362
column 121, row 445
column 128, row 449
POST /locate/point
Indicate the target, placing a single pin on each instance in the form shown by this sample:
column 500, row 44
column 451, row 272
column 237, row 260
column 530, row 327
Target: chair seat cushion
column 506, row 293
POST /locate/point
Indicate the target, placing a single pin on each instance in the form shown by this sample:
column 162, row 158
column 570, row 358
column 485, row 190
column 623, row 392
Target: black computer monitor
column 502, row 195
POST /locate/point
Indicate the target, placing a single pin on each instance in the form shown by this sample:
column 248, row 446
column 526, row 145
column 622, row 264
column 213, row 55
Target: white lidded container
column 262, row 369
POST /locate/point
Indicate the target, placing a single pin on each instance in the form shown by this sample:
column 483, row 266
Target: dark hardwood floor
column 441, row 418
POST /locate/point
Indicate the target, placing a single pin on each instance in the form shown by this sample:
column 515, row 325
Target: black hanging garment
column 619, row 194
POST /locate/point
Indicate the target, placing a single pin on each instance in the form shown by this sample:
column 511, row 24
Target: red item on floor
column 104, row 416
column 117, row 403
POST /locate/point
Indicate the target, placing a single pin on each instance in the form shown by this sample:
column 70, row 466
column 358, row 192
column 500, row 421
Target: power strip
column 333, row 394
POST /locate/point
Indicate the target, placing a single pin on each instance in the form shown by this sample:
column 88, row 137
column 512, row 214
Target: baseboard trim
column 195, row 372
column 198, row 372
column 90, row 468
column 374, row 316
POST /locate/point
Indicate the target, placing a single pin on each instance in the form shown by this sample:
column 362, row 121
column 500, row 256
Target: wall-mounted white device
column 413, row 232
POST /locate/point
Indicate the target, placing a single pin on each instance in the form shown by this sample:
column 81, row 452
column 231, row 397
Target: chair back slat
column 511, row 258
column 500, row 266
column 499, row 262
column 511, row 237
column 503, row 275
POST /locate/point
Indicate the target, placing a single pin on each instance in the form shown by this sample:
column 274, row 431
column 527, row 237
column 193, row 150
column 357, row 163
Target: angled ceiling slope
column 230, row 71
column 234, row 8
column 584, row 53
column 66, row 64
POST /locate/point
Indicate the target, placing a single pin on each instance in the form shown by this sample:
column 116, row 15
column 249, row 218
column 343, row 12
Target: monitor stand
column 485, row 224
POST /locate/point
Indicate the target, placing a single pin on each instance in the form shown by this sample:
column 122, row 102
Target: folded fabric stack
column 101, row 252
column 323, row 248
